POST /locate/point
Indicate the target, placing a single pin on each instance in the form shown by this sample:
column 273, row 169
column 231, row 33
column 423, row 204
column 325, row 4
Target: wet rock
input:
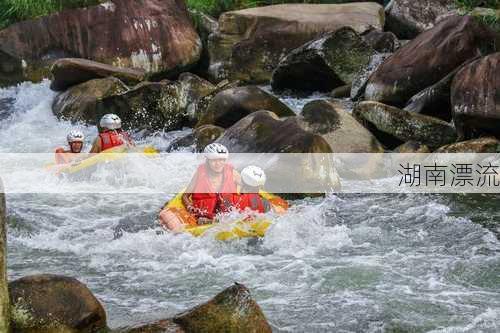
column 404, row 125
column 148, row 106
column 200, row 107
column 265, row 132
column 382, row 41
column 80, row 102
column 192, row 89
column 11, row 69
column 155, row 35
column 408, row 18
column 205, row 135
column 412, row 147
column 323, row 64
column 429, row 58
column 198, row 139
column 249, row 43
column 52, row 303
column 341, row 92
column 68, row 72
column 231, row 105
column 361, row 78
column 482, row 145
column 343, row 133
column 232, row 310
column 475, row 98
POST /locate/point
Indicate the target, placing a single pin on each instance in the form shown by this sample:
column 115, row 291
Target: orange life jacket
column 210, row 202
column 253, row 201
column 64, row 156
column 111, row 139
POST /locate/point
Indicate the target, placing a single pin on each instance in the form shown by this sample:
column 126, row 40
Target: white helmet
column 216, row 151
column 111, row 121
column 75, row 136
column 253, row 176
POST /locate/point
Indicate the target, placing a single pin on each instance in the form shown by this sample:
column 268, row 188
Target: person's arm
column 186, row 197
column 96, row 146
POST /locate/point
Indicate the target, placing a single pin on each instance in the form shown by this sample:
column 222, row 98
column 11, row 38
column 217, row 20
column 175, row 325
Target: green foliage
column 12, row 11
column 470, row 4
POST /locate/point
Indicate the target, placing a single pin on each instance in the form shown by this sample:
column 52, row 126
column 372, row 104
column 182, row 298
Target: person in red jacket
column 251, row 200
column 212, row 190
column 75, row 141
column 253, row 179
column 111, row 135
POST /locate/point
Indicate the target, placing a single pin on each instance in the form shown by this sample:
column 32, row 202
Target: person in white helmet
column 111, row 134
column 75, row 140
column 212, row 190
column 253, row 180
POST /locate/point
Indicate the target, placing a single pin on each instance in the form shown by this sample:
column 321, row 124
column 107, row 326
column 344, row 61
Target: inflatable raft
column 225, row 231
column 109, row 155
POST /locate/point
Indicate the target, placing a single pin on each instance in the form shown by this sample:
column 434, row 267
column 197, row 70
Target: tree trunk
column 4, row 292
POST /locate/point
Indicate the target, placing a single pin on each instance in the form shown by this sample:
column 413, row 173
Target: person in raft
column 111, row 134
column 250, row 200
column 75, row 142
column 212, row 190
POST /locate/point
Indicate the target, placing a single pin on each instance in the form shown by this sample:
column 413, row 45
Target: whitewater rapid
column 350, row 263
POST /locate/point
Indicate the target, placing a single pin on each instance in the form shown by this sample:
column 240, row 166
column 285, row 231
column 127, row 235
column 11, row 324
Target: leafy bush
column 469, row 4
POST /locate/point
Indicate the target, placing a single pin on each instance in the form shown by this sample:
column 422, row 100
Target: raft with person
column 251, row 226
column 217, row 190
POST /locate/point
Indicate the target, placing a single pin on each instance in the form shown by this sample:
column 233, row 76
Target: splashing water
column 354, row 263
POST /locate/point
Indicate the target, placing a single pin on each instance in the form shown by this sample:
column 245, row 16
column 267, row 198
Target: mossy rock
column 404, row 125
column 323, row 64
column 231, row 311
column 52, row 303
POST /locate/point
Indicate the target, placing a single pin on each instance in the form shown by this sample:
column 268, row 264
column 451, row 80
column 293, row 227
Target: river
column 346, row 263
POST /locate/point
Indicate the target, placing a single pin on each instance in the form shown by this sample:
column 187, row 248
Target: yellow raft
column 112, row 154
column 248, row 228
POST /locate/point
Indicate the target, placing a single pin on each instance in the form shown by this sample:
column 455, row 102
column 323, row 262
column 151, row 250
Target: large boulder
column 68, row 72
column 155, row 35
column 52, row 303
column 487, row 145
column 80, row 102
column 343, row 133
column 299, row 168
column 475, row 97
column 412, row 147
column 404, row 125
column 231, row 105
column 197, row 140
column 323, row 64
column 265, row 132
column 250, row 42
column 428, row 58
column 382, row 41
column 408, row 18
column 147, row 106
column 360, row 80
column 232, row 310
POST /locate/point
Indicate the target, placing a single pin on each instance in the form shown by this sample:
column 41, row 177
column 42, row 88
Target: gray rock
column 406, row 126
column 231, row 105
column 323, row 64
